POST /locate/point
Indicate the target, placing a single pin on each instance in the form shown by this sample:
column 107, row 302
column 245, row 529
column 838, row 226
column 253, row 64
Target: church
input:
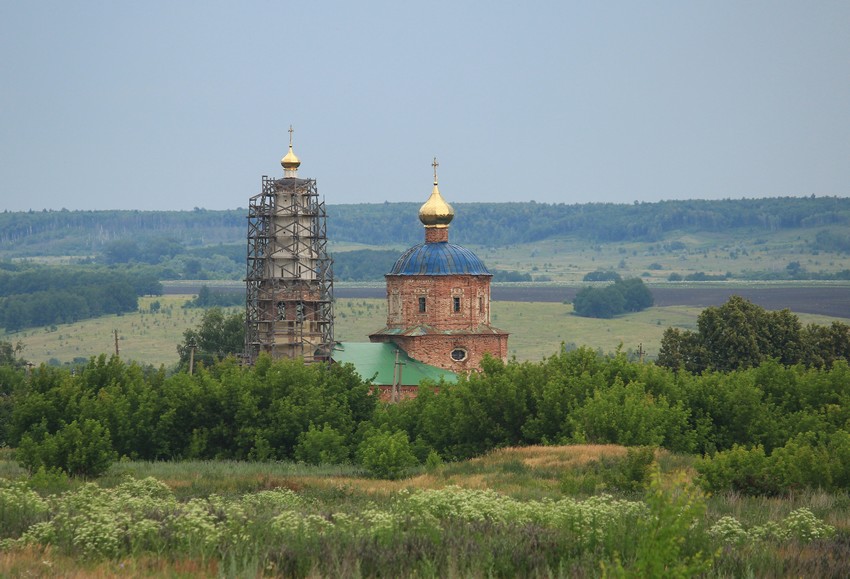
column 438, row 309
column 438, row 293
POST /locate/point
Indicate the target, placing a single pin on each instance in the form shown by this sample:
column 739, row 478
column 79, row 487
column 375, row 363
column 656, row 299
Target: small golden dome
column 435, row 212
column 290, row 162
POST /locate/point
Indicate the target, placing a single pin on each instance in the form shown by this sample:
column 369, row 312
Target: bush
column 321, row 446
column 80, row 449
column 748, row 471
column 632, row 472
column 386, row 455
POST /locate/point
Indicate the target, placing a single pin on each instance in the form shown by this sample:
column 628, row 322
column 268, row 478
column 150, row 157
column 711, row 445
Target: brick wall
column 436, row 349
column 472, row 292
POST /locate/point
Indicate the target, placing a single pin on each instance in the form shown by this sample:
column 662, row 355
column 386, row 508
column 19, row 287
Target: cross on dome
column 290, row 162
column 436, row 213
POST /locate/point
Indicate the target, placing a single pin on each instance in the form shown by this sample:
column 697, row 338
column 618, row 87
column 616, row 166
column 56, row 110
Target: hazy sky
column 175, row 105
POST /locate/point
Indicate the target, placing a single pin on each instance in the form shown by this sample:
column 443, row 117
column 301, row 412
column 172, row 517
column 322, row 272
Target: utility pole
column 640, row 352
column 116, row 342
column 397, row 367
column 192, row 347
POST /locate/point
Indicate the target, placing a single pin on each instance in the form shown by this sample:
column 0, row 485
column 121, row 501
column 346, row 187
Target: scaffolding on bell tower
column 289, row 293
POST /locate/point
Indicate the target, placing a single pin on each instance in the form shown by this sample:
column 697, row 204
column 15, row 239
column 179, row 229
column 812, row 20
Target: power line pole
column 116, row 342
column 397, row 368
column 192, row 347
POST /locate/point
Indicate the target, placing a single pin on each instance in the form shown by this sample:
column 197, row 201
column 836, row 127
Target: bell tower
column 289, row 281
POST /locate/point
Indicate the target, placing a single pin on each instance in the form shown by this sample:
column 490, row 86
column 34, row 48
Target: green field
column 531, row 511
column 537, row 330
column 567, row 260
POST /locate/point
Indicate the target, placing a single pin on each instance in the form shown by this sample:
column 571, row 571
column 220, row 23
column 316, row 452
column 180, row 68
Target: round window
column 458, row 354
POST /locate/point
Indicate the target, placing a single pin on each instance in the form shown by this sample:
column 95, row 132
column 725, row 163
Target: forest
column 86, row 233
column 46, row 295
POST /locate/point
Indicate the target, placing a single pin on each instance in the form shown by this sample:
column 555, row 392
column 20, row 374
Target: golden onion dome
column 436, row 212
column 290, row 161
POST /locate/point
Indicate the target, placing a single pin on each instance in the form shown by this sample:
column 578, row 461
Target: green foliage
column 627, row 414
column 322, row 446
column 501, row 275
column 131, row 523
column 386, row 454
column 42, row 296
column 631, row 473
column 9, row 355
column 153, row 236
column 740, row 334
column 747, row 471
column 600, row 275
column 605, row 302
column 808, row 460
column 665, row 539
column 629, row 295
column 832, row 240
column 20, row 508
column 494, row 224
column 80, row 449
column 207, row 298
column 217, row 336
column 363, row 264
column 280, row 410
column 433, row 461
column 221, row 412
column 702, row 276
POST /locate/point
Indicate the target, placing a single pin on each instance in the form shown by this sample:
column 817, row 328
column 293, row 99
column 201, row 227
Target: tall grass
column 508, row 513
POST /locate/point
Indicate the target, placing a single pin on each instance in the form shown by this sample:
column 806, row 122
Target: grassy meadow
column 531, row 511
column 537, row 330
column 567, row 260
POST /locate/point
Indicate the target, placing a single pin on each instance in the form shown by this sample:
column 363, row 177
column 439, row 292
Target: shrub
column 434, row 461
column 632, row 472
column 740, row 469
column 80, row 449
column 806, row 461
column 386, row 455
column 321, row 446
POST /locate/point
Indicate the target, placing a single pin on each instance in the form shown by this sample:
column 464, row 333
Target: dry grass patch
column 44, row 563
column 566, row 456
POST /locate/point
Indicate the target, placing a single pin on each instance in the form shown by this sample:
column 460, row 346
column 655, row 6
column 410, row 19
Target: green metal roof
column 378, row 359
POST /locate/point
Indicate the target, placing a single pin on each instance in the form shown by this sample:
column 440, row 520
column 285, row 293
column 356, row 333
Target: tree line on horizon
column 488, row 224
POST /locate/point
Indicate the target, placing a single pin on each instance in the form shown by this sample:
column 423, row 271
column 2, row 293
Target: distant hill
column 64, row 232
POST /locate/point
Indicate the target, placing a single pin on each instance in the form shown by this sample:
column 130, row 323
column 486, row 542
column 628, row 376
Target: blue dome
column 441, row 258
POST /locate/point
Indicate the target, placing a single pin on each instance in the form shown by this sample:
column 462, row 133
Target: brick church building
column 438, row 298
